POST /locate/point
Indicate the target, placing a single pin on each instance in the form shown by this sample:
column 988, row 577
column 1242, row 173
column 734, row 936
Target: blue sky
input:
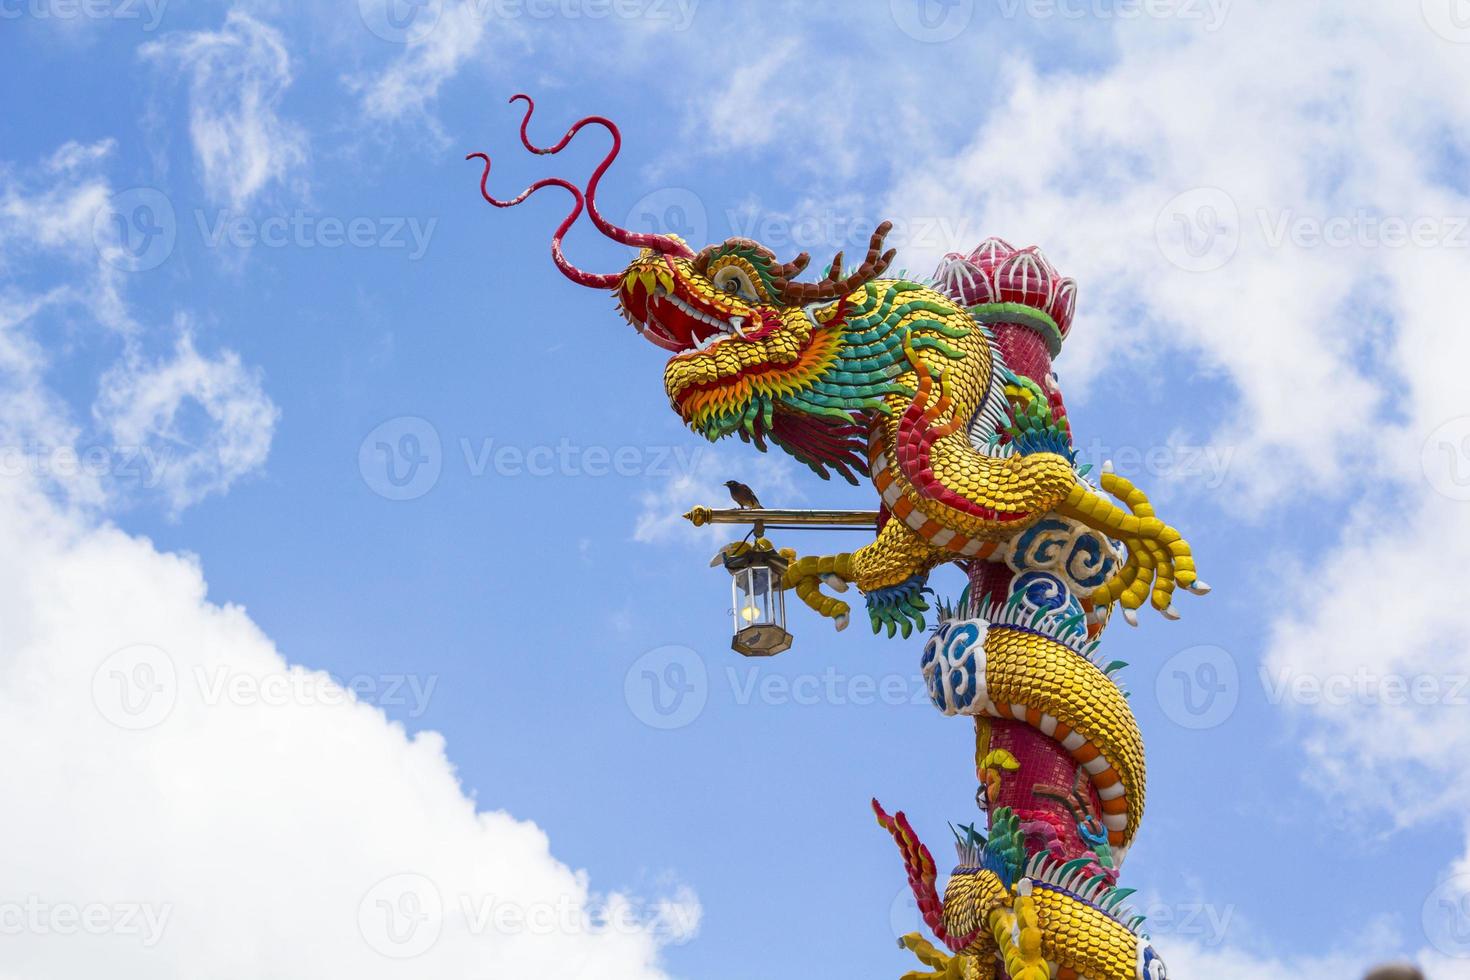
column 1290, row 403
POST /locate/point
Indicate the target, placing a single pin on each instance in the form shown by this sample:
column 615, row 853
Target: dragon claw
column 1159, row 559
column 807, row 575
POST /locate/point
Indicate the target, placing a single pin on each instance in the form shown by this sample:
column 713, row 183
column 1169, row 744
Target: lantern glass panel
column 757, row 600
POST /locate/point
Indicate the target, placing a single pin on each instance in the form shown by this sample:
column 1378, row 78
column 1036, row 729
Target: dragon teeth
column 722, row 328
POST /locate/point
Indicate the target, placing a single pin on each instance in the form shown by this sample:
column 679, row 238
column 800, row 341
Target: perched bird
column 743, row 495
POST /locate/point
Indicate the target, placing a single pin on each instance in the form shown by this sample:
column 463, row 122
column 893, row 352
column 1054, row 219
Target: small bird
column 743, row 495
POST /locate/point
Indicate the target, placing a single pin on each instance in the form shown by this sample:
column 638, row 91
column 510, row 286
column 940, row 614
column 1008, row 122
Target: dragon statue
column 942, row 393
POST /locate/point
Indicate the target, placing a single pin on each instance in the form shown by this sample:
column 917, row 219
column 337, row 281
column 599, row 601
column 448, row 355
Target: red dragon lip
column 683, row 326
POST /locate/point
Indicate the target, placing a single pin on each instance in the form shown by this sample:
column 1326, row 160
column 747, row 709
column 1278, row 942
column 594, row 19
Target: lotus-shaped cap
column 1000, row 283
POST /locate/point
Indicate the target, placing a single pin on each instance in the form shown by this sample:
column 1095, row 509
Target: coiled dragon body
column 941, row 392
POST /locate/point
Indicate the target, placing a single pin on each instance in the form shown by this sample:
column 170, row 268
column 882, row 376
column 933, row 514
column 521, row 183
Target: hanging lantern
column 758, row 601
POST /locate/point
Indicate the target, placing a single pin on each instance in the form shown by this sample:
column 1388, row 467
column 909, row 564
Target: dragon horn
column 792, row 269
column 834, row 286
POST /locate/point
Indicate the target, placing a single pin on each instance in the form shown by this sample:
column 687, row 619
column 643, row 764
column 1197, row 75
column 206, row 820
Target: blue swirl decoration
column 1088, row 564
column 1041, row 590
column 1039, row 545
column 1081, row 555
column 954, row 667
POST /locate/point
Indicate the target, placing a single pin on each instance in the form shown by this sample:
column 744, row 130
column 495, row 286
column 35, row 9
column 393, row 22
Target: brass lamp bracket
column 786, row 520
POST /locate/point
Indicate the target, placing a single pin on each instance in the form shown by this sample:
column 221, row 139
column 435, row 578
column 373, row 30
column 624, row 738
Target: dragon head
column 750, row 344
column 748, row 340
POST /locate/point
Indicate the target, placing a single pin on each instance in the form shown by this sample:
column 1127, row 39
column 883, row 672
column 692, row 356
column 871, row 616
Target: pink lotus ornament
column 1011, row 285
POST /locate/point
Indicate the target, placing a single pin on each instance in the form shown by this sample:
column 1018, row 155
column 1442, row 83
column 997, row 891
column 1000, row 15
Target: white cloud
column 237, row 79
column 197, row 423
column 150, row 407
column 54, row 266
column 51, row 211
column 430, row 56
column 214, row 811
column 700, row 483
column 190, row 803
column 1086, row 164
column 1190, row 960
column 1292, row 113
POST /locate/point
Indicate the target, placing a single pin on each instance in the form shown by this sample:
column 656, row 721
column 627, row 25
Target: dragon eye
column 732, row 281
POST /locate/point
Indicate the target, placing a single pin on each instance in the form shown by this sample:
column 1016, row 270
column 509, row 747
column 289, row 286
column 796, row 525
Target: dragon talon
column 834, row 582
column 1130, row 616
